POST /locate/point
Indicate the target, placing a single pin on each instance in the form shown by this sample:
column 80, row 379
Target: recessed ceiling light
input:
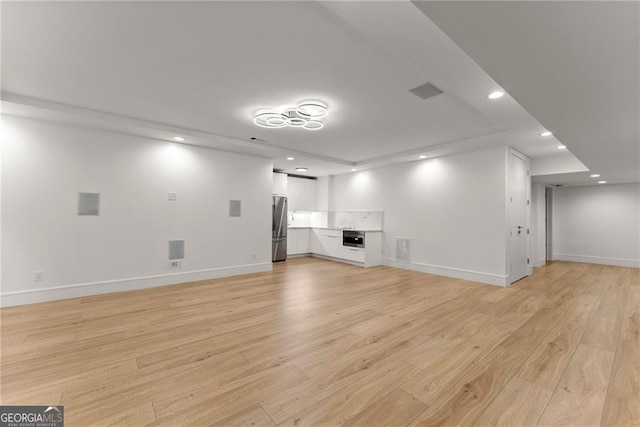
column 302, row 169
column 422, row 156
column 562, row 147
column 290, row 158
column 595, row 175
column 495, row 95
column 354, row 170
column 178, row 139
column 602, row 182
column 546, row 133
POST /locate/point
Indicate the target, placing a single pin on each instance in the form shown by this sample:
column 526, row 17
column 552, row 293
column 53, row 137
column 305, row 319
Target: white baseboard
column 306, row 254
column 540, row 262
column 456, row 273
column 330, row 258
column 33, row 296
column 619, row 262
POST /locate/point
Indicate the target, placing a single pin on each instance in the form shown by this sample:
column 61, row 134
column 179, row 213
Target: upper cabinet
column 302, row 194
column 310, row 195
column 280, row 184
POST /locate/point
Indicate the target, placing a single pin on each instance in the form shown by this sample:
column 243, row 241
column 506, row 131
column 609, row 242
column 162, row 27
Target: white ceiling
column 574, row 65
column 201, row 69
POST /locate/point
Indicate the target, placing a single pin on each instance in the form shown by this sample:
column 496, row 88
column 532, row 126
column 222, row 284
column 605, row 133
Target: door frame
column 548, row 229
column 513, row 152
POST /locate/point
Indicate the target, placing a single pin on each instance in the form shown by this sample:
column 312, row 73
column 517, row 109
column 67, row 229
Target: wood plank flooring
column 317, row 342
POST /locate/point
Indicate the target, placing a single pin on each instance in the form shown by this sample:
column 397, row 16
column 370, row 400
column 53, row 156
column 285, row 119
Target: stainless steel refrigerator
column 279, row 229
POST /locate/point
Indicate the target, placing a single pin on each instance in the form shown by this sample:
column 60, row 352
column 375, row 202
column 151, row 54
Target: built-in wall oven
column 353, row 238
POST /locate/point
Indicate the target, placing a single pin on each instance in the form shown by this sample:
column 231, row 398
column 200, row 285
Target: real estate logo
column 31, row 416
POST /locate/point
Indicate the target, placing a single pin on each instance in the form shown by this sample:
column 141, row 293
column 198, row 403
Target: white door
column 519, row 210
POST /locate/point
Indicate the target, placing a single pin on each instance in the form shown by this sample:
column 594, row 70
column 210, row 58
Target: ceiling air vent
column 426, row 91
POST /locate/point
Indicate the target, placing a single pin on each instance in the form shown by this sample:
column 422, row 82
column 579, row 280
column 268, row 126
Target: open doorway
column 548, row 223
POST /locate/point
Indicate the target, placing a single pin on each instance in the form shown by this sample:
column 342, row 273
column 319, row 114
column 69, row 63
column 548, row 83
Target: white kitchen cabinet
column 298, row 241
column 352, row 254
column 328, row 243
column 295, row 193
column 331, row 241
column 325, row 242
column 315, row 247
column 310, row 195
column 302, row 193
column 292, row 242
column 373, row 248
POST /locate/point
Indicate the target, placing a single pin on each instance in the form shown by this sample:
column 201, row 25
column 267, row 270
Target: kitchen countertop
column 335, row 228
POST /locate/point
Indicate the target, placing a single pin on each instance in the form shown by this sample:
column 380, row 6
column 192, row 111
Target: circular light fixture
column 313, row 124
column 293, row 119
column 290, row 158
column 595, row 175
column 296, row 122
column 422, row 157
column 270, row 120
column 546, row 133
column 602, row 182
column 562, row 147
column 495, row 95
column 307, row 115
column 276, row 121
column 302, row 169
column 312, row 109
column 178, row 139
column 354, row 170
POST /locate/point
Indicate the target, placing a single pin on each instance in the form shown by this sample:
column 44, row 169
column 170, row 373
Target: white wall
column 538, row 226
column 453, row 208
column 280, row 184
column 598, row 224
column 45, row 165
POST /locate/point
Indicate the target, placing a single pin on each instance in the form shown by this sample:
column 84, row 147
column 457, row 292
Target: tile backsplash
column 369, row 220
column 299, row 219
column 363, row 220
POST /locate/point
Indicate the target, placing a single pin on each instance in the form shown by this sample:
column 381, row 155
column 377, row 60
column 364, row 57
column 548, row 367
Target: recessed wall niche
column 176, row 249
column 88, row 203
column 235, row 208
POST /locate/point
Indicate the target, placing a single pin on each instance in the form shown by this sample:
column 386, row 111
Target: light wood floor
column 319, row 342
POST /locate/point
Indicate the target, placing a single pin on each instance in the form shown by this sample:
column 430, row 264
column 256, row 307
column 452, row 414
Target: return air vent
column 426, row 91
column 403, row 249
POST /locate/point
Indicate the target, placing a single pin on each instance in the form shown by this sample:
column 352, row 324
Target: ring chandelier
column 306, row 115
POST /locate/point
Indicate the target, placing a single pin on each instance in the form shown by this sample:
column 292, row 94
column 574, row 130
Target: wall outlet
column 175, row 264
column 254, row 256
column 173, row 196
column 38, row 276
